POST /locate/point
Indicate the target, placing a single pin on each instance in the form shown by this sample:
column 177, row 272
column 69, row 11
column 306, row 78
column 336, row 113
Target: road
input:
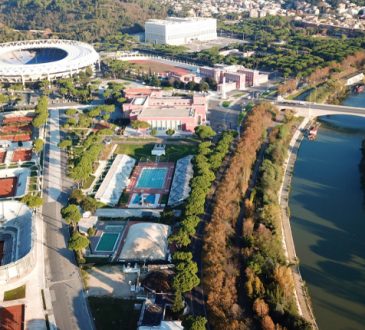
column 321, row 109
column 62, row 274
column 221, row 118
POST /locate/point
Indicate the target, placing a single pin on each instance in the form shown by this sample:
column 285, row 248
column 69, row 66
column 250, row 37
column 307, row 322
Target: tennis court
column 107, row 242
column 8, row 187
column 152, row 178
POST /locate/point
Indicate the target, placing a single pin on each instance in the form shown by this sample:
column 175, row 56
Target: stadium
column 33, row 60
column 17, row 238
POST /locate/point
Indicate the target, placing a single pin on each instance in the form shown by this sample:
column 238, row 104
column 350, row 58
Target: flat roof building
column 164, row 111
column 180, row 31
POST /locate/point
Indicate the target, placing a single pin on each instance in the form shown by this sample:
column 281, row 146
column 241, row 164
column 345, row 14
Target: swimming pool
column 107, row 242
column 152, row 178
column 149, row 199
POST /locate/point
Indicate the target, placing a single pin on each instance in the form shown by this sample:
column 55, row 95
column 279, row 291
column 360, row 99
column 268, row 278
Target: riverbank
column 300, row 291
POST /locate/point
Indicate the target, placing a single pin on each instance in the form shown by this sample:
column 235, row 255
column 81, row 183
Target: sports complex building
column 163, row 111
column 33, row 60
column 17, row 240
column 180, row 31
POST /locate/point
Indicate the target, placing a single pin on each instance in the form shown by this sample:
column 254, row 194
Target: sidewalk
column 301, row 295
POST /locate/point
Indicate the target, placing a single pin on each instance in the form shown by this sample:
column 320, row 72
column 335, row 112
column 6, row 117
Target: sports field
column 22, row 155
column 8, row 187
column 12, row 317
column 158, row 67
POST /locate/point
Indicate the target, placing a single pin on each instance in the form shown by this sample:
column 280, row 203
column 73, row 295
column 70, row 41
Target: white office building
column 180, row 31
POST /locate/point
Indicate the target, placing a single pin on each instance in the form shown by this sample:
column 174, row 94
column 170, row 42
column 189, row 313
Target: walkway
column 302, row 297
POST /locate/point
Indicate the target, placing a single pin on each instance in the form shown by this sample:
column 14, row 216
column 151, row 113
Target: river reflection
column 328, row 221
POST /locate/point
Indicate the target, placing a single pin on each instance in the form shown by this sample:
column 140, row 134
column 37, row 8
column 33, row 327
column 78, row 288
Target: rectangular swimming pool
column 107, row 242
column 152, row 178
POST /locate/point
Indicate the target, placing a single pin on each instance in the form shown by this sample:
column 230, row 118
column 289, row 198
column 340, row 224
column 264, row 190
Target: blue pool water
column 150, row 199
column 152, row 178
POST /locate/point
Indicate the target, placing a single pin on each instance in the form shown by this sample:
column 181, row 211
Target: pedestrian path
column 53, row 175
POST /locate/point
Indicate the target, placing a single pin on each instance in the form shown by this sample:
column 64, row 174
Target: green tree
column 33, row 201
column 194, row 323
column 153, row 131
column 204, row 132
column 178, row 304
column 71, row 112
column 89, row 204
column 38, row 145
column 76, row 196
column 65, row 144
column 78, row 241
column 170, row 132
column 137, row 124
column 71, row 214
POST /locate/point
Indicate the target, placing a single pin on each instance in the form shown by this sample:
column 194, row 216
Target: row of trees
column 205, row 164
column 41, row 112
column 268, row 279
column 330, row 79
column 221, row 253
column 83, row 165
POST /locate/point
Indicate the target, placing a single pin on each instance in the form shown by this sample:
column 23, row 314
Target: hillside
column 88, row 20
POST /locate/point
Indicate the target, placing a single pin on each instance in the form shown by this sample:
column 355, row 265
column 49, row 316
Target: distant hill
column 89, row 20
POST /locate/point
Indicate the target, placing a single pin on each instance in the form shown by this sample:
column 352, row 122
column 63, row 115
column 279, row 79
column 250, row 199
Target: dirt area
column 159, row 67
column 110, row 281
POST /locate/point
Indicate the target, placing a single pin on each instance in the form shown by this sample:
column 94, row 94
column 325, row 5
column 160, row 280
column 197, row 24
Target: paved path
column 303, row 300
column 62, row 274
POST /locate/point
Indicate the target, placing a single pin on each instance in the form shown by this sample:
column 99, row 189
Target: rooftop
column 167, row 112
column 179, row 20
column 145, row 241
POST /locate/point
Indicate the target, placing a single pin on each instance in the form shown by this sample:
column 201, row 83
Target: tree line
column 206, row 163
column 221, row 253
column 268, row 278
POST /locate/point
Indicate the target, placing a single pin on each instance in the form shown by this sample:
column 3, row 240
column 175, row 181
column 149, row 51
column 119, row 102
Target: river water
column 328, row 221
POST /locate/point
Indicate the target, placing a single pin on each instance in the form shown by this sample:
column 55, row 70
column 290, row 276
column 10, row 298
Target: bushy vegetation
column 87, row 20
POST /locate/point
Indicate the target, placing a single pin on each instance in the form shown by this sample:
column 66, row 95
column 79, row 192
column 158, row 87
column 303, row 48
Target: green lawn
column 173, row 151
column 114, row 313
column 135, row 150
column 14, row 294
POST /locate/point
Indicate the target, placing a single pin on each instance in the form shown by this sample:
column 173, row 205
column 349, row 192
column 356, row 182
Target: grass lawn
column 176, row 151
column 173, row 151
column 14, row 294
column 135, row 150
column 114, row 313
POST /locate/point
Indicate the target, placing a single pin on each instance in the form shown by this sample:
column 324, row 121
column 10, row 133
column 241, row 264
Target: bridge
column 311, row 110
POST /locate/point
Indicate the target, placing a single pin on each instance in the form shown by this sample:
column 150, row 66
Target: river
column 328, row 221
